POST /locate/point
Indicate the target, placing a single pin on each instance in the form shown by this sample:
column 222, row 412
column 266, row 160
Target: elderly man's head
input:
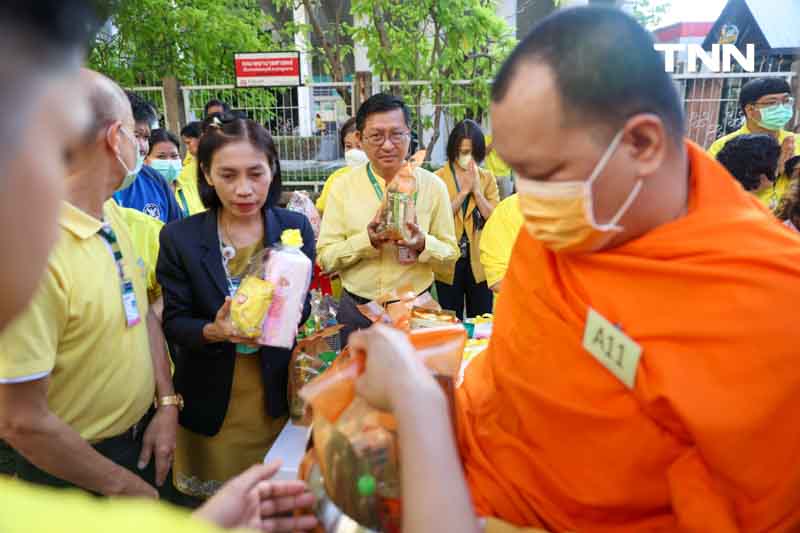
column 583, row 107
column 43, row 46
column 111, row 152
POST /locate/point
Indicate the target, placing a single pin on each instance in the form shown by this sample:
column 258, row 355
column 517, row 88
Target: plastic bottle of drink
column 289, row 270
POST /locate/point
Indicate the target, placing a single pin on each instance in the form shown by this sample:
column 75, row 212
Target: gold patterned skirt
column 203, row 464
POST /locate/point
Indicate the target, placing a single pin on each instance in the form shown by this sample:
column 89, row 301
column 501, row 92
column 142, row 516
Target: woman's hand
column 223, row 330
column 466, row 180
column 251, row 500
column 476, row 177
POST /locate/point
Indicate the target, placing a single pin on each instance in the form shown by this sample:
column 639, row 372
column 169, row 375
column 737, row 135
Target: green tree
column 330, row 28
column 193, row 40
column 439, row 41
column 649, row 13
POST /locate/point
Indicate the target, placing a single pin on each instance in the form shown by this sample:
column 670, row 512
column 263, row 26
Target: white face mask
column 130, row 174
column 355, row 157
column 464, row 161
column 168, row 168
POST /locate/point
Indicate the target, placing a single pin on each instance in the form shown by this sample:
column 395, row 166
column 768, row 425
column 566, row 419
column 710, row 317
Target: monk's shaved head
column 604, row 66
column 107, row 100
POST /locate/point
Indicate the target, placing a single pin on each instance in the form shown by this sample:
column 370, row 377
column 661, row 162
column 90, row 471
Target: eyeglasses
column 378, row 139
column 787, row 100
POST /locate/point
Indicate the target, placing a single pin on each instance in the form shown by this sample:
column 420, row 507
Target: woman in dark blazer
column 234, row 392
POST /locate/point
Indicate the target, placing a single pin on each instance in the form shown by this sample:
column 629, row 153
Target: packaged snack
column 356, row 445
column 481, row 326
column 289, row 271
column 250, row 304
column 422, row 317
column 395, row 308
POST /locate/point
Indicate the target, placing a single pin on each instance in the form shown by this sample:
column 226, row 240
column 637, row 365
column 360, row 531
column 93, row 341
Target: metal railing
column 711, row 103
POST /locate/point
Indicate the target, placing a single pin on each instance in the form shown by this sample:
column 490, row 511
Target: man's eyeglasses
column 787, row 100
column 378, row 139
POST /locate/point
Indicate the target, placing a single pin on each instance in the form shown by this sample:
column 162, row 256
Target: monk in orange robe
column 643, row 373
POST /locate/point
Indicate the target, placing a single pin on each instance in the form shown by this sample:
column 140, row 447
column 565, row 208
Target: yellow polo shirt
column 187, row 192
column 496, row 166
column 344, row 245
column 144, row 231
column 32, row 509
column 101, row 371
column 323, row 196
column 498, row 238
column 770, row 197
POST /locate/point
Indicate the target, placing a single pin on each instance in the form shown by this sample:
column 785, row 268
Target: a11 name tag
column 612, row 348
column 129, row 303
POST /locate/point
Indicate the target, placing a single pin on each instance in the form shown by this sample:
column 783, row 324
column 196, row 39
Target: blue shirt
column 151, row 195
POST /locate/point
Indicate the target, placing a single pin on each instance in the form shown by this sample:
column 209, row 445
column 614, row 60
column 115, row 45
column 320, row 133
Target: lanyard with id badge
column 129, row 303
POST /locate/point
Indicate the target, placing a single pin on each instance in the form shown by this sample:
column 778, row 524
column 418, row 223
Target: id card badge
column 612, row 348
column 132, row 316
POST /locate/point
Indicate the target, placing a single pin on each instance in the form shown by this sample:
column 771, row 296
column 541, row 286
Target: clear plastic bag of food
column 300, row 202
column 268, row 303
column 310, row 358
column 399, row 207
column 356, row 445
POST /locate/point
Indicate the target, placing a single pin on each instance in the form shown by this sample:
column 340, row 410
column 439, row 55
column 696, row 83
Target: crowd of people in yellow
column 640, row 376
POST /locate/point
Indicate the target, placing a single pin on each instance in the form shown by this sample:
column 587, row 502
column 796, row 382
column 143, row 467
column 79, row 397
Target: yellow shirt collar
column 79, row 223
column 744, row 130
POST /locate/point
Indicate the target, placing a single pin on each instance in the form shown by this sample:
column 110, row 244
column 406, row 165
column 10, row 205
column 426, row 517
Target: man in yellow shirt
column 47, row 50
column 768, row 105
column 498, row 238
column 80, row 368
column 349, row 242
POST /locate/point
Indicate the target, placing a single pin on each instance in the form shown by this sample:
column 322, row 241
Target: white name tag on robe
column 612, row 348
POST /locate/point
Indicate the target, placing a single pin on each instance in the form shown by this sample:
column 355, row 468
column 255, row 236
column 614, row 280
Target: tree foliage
column 440, row 41
column 649, row 13
column 335, row 38
column 192, row 39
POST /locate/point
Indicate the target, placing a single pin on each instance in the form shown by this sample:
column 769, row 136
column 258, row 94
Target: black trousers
column 123, row 450
column 350, row 317
column 465, row 292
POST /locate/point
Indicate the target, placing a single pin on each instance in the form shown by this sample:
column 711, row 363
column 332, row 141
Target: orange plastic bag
column 356, row 445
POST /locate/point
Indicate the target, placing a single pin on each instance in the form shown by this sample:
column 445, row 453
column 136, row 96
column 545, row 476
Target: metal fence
column 309, row 148
column 310, row 153
column 155, row 95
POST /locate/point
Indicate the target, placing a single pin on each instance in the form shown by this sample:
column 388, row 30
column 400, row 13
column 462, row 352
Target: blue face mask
column 170, row 169
column 775, row 117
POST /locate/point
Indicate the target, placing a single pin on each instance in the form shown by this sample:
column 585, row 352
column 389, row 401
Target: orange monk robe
column 709, row 438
